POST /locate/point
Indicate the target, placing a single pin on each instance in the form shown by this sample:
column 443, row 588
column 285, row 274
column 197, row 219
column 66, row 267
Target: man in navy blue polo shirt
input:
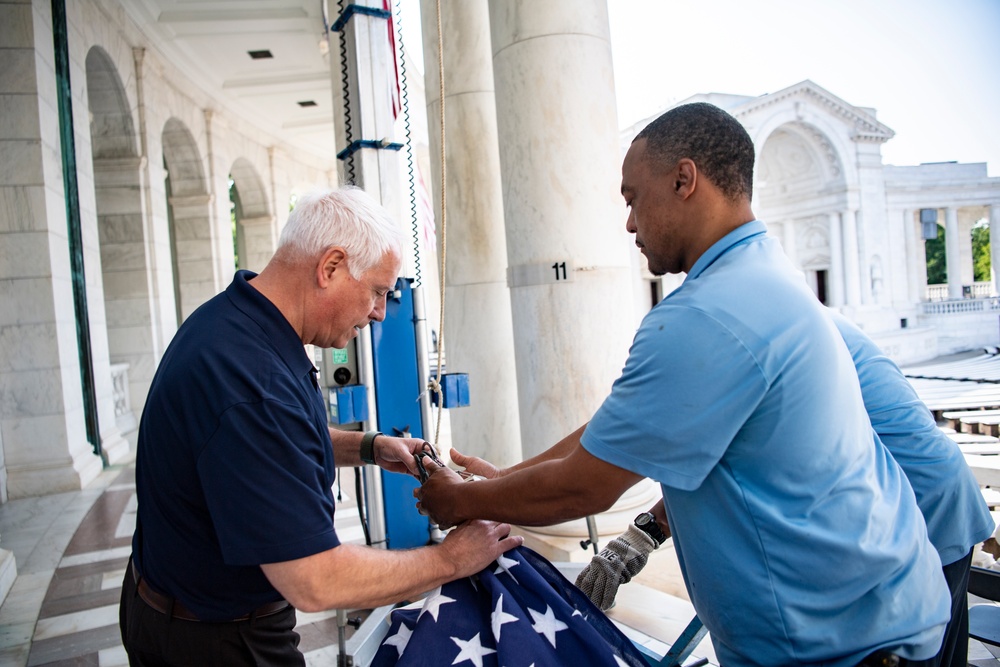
column 236, row 461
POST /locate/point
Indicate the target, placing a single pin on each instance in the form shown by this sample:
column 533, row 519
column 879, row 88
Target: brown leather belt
column 175, row 609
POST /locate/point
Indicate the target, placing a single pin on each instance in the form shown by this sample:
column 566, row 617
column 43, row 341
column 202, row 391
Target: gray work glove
column 617, row 563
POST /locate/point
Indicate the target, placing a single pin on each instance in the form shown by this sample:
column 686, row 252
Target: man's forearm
column 557, row 451
column 352, row 576
column 346, row 447
column 550, row 491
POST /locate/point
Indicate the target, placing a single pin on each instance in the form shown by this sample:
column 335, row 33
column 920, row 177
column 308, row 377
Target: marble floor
column 71, row 550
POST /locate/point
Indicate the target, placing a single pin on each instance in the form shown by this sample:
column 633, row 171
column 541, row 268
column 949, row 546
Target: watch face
column 643, row 519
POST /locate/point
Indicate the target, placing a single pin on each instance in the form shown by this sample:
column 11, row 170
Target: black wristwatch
column 368, row 447
column 646, row 522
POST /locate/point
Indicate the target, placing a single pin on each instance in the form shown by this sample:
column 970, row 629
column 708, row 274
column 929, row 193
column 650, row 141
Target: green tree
column 937, row 267
column 234, row 211
column 981, row 251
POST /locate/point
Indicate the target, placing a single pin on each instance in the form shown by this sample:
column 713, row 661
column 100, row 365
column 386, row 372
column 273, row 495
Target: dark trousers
column 955, row 647
column 153, row 639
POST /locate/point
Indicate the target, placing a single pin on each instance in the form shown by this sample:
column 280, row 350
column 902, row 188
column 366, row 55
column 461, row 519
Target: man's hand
column 617, row 563
column 434, row 495
column 397, row 454
column 475, row 544
column 475, row 465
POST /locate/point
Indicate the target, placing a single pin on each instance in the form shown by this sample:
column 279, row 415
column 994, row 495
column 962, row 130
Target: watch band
column 368, row 447
column 646, row 522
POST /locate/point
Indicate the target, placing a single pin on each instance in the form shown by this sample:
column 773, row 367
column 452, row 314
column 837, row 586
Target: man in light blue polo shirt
column 947, row 493
column 799, row 538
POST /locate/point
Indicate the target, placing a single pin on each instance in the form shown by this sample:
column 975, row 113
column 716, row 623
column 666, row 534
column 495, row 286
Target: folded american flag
column 518, row 612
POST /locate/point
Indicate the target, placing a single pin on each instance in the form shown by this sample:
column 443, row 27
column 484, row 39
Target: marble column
column 865, row 276
column 836, row 296
column 41, row 405
column 914, row 252
column 478, row 332
column 852, row 272
column 257, row 242
column 220, row 238
column 953, row 253
column 995, row 247
column 565, row 220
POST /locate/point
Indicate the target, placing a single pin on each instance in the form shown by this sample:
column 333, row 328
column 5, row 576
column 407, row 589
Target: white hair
column 347, row 217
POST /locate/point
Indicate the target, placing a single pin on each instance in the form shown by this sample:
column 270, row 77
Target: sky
column 930, row 68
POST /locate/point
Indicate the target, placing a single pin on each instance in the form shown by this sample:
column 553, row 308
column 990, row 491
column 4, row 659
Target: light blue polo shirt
column 799, row 538
column 947, row 492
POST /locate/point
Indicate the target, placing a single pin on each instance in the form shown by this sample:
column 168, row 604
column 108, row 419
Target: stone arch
column 121, row 234
column 256, row 237
column 794, row 163
column 828, row 138
column 189, row 219
column 801, row 180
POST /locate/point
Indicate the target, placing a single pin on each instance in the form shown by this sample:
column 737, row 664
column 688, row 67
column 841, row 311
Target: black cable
column 414, row 219
column 349, row 175
column 360, row 497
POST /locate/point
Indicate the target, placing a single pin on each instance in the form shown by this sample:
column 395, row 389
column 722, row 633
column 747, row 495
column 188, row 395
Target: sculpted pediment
column 862, row 124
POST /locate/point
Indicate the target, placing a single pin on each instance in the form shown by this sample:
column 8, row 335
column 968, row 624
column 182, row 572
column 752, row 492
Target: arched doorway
column 121, row 235
column 255, row 237
column 801, row 194
column 189, row 218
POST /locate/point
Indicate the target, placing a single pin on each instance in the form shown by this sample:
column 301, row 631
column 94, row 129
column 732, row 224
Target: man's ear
column 686, row 179
column 329, row 262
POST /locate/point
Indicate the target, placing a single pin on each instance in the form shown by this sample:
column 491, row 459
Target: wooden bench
column 941, row 405
column 953, row 418
column 981, row 448
column 986, row 469
column 981, row 425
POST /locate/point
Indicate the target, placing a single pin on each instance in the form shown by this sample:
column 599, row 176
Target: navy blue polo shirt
column 234, row 465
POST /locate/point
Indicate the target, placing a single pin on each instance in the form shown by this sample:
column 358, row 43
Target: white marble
column 113, row 657
column 24, row 600
column 8, row 572
column 557, row 128
column 91, row 619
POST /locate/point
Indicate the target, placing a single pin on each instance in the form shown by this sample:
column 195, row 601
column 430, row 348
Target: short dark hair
column 715, row 141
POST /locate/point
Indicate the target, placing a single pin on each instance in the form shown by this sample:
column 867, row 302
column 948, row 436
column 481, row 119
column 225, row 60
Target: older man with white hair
column 236, row 461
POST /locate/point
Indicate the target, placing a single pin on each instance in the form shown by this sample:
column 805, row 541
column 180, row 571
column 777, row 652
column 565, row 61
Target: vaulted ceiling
column 213, row 42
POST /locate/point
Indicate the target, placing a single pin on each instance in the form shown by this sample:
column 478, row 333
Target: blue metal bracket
column 351, row 10
column 355, row 146
column 685, row 644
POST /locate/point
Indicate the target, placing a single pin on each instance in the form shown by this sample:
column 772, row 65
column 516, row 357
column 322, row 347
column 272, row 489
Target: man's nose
column 378, row 312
